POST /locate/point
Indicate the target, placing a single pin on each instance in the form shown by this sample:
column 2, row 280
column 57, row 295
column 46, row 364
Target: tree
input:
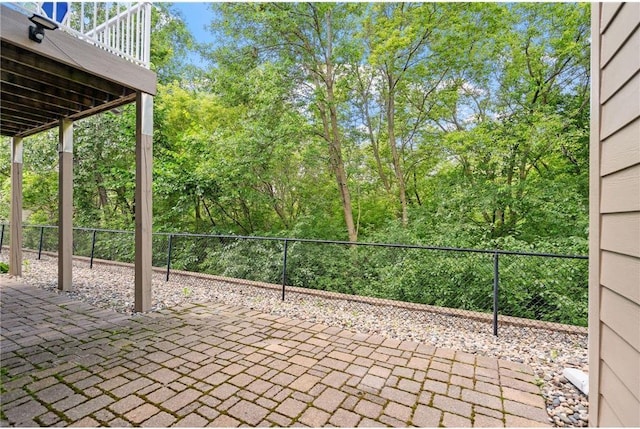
column 398, row 36
column 527, row 121
column 171, row 41
column 311, row 38
column 452, row 124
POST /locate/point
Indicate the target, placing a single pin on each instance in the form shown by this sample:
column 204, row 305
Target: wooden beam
column 25, row 62
column 144, row 212
column 37, row 98
column 18, row 119
column 50, row 109
column 11, row 129
column 85, row 113
column 12, row 109
column 32, row 87
column 65, row 206
column 15, row 246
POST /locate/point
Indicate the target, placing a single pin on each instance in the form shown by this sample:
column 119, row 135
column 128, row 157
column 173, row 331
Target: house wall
column 614, row 283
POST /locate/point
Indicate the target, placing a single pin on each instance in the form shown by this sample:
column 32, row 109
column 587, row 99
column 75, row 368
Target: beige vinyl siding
column 608, row 415
column 613, row 115
column 623, row 403
column 621, row 191
column 612, row 344
column 614, row 282
column 609, row 10
column 619, row 29
column 623, row 317
column 622, row 151
column 618, row 232
column 621, row 68
column 620, row 273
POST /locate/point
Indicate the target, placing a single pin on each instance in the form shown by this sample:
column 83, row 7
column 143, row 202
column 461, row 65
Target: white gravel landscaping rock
column 547, row 351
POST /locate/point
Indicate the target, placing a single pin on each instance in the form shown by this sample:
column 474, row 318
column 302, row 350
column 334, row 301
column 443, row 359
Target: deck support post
column 65, row 205
column 15, row 245
column 143, row 200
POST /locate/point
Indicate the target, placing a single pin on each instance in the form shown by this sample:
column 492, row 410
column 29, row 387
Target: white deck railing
column 123, row 29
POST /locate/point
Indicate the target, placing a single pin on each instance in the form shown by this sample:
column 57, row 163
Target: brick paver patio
column 66, row 363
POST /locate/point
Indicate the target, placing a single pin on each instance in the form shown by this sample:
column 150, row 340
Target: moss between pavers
column 48, row 406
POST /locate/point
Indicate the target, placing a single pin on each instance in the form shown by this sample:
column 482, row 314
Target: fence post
column 284, row 266
column 496, row 281
column 1, row 237
column 93, row 247
column 41, row 240
column 169, row 256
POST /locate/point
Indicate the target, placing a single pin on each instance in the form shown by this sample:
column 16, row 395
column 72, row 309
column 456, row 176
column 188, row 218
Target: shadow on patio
column 67, row 363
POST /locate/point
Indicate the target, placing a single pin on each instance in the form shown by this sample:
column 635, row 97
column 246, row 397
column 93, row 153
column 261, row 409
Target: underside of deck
column 62, row 77
column 52, row 84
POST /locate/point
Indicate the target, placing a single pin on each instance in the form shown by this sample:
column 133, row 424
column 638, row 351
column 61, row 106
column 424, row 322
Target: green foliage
column 490, row 128
column 4, row 268
column 534, row 287
column 170, row 44
column 119, row 247
column 5, row 377
column 448, row 124
column 544, row 289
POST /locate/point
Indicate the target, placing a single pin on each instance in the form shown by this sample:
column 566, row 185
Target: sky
column 197, row 16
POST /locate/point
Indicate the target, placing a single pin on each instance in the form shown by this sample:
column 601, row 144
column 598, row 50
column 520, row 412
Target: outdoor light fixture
column 36, row 32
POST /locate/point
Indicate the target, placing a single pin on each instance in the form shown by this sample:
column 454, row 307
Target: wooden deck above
column 62, row 77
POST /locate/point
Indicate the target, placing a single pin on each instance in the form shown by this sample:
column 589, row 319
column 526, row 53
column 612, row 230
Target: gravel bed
column 548, row 352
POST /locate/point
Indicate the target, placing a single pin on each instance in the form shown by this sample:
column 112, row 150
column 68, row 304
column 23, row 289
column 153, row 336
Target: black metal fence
column 538, row 286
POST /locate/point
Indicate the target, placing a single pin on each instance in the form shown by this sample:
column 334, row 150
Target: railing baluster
column 82, row 17
column 147, row 34
column 128, row 48
column 95, row 15
column 1, row 237
column 106, row 19
column 118, row 33
column 138, row 35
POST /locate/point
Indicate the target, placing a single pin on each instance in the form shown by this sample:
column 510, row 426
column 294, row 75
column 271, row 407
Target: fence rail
column 540, row 286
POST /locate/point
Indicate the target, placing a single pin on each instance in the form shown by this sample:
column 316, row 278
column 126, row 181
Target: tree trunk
column 103, row 199
column 366, row 116
column 332, row 135
column 397, row 168
column 198, row 216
